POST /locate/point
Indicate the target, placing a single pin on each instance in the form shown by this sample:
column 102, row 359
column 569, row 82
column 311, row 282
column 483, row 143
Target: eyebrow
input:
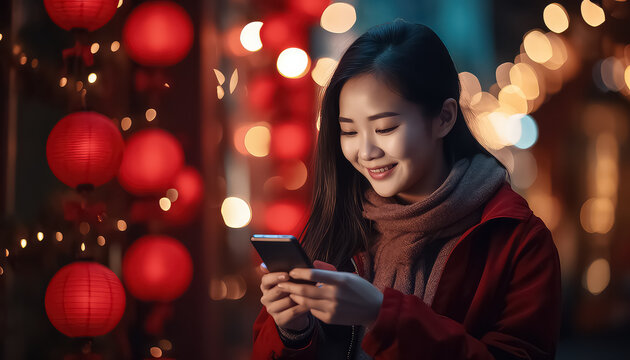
column 372, row 117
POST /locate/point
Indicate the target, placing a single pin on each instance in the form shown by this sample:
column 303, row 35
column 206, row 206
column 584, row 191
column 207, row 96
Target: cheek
column 348, row 149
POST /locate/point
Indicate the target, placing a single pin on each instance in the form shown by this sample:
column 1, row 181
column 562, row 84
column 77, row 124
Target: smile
column 382, row 172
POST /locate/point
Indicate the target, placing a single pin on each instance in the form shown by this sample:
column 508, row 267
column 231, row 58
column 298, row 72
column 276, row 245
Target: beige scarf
column 413, row 240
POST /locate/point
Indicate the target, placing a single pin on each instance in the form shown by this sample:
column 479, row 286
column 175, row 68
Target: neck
column 426, row 186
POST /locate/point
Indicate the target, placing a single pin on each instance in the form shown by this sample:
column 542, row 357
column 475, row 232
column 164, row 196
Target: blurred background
column 143, row 142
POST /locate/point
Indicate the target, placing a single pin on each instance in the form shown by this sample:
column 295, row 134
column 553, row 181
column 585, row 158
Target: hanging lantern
column 81, row 14
column 290, row 141
column 84, row 149
column 84, row 299
column 157, row 268
column 188, row 190
column 158, row 33
column 151, row 161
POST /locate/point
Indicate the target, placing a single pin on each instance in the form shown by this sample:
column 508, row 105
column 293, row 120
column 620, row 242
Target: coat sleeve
column 527, row 326
column 269, row 345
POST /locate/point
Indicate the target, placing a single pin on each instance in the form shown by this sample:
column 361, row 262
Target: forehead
column 365, row 94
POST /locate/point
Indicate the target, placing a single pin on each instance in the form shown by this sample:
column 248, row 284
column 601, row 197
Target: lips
column 379, row 173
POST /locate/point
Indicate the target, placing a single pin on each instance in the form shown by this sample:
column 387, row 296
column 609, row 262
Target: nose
column 368, row 150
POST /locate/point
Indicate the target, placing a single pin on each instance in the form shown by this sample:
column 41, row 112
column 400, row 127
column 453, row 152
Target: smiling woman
column 436, row 254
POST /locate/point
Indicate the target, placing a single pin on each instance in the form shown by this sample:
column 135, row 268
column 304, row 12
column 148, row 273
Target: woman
column 438, row 258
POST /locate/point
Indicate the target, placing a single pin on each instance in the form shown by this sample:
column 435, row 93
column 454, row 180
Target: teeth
column 383, row 169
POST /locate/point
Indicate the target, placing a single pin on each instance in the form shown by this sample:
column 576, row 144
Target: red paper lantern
column 285, row 217
column 84, row 148
column 157, row 268
column 290, row 141
column 84, row 299
column 151, row 161
column 189, row 186
column 158, row 33
column 81, row 14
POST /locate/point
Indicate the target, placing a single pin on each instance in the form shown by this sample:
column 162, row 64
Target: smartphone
column 281, row 253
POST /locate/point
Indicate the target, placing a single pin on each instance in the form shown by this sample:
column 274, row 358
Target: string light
column 258, row 141
column 63, row 81
column 156, row 352
column 293, row 63
column 58, row 236
column 556, row 18
column 236, row 212
column 82, row 246
column 172, row 194
column 23, row 243
column 592, row 14
column 92, row 78
column 115, row 46
column 120, row 2
column 338, row 17
column 122, row 225
column 94, row 48
column 23, row 59
column 166, row 345
column 34, row 63
column 40, row 236
column 100, row 240
column 150, row 114
column 6, row 252
column 165, row 204
column 250, row 36
column 79, row 85
column 125, row 123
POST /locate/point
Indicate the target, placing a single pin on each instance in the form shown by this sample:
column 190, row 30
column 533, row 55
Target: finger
column 270, row 280
column 263, row 267
column 317, row 304
column 313, row 292
column 272, row 295
column 292, row 313
column 280, row 305
column 318, row 275
column 321, row 315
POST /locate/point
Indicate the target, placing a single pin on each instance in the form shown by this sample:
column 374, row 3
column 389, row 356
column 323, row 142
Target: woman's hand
column 285, row 312
column 342, row 298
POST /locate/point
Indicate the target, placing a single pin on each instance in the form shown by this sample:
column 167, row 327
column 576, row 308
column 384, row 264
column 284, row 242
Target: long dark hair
column 413, row 61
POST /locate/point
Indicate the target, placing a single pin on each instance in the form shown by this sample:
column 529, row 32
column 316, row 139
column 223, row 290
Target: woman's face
column 389, row 141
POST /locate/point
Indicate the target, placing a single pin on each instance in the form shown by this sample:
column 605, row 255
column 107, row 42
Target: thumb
column 263, row 267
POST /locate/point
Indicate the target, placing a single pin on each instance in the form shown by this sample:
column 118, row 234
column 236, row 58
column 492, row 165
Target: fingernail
column 281, row 286
column 282, row 277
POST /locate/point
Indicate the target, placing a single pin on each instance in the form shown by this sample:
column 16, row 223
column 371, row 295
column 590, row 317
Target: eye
column 384, row 131
column 342, row 133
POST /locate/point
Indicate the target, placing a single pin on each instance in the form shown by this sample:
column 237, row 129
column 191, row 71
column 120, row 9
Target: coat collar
column 506, row 203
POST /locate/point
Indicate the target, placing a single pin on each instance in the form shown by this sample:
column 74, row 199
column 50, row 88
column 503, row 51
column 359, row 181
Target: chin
column 389, row 192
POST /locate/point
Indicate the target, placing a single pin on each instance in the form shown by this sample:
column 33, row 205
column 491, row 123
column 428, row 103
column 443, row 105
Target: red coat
column 498, row 298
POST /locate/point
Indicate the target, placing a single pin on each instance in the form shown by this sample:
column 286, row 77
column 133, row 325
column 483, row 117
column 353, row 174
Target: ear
column 443, row 123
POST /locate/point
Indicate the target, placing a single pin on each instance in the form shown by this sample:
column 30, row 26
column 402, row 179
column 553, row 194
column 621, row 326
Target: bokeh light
column 250, row 36
column 597, row 215
column 597, row 276
column 236, row 212
column 258, row 140
column 323, row 70
column 537, row 46
column 293, row 63
column 592, row 14
column 165, row 204
column 338, row 17
column 529, row 132
column 556, row 17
